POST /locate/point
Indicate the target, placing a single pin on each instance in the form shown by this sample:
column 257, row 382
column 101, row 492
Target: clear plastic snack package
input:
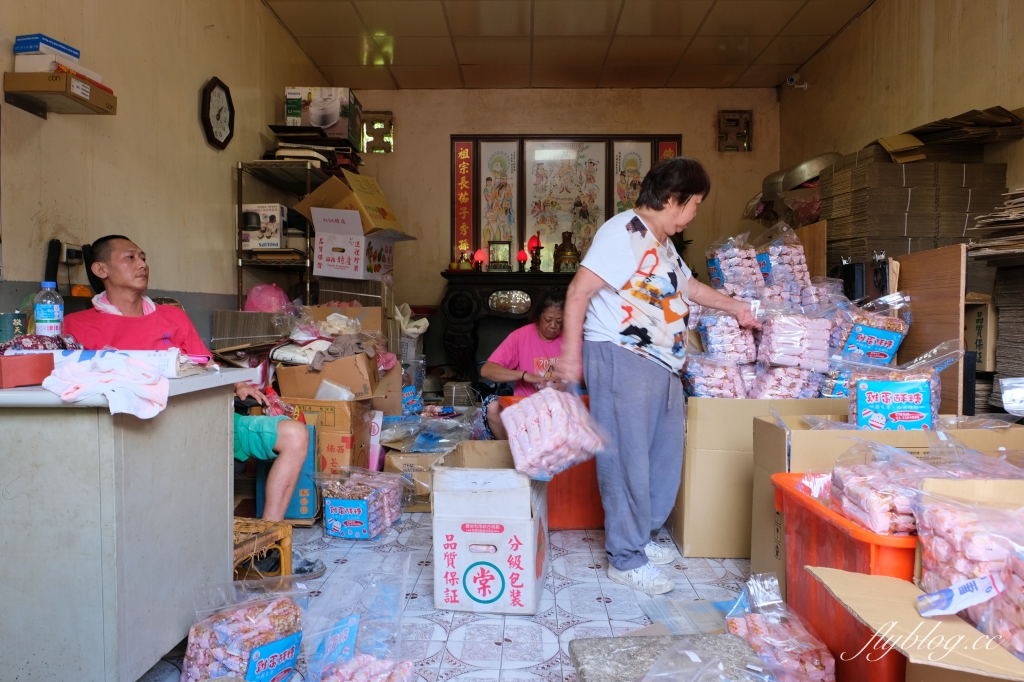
column 1012, row 390
column 780, row 256
column 779, row 383
column 247, row 629
column 877, row 328
column 872, row 485
column 684, row 662
column 904, row 397
column 708, row 377
column 822, row 424
column 836, row 383
column 360, row 504
column 353, row 629
column 790, row 338
column 733, row 269
column 948, row 453
column 549, row 432
column 724, row 338
column 821, row 291
column 781, row 639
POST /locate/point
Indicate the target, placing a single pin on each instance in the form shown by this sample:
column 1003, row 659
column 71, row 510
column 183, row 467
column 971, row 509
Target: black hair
column 103, row 247
column 553, row 298
column 678, row 178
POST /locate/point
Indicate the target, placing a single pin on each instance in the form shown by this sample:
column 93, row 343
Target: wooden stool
column 254, row 538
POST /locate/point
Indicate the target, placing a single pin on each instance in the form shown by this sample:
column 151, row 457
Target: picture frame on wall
column 630, row 162
column 566, row 182
column 498, row 191
column 499, row 256
column 668, row 149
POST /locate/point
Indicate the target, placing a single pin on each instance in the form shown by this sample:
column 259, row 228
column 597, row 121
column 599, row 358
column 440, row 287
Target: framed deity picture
column 498, row 190
column 565, row 192
column 499, row 256
column 630, row 163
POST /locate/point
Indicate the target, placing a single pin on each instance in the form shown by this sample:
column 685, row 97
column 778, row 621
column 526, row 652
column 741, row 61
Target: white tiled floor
column 578, row 601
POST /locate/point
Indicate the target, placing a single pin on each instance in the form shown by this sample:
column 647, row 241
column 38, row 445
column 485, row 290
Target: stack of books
column 310, row 143
column 39, row 53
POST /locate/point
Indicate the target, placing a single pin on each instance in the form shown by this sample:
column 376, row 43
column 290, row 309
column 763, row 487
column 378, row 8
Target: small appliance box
column 334, row 110
column 342, row 432
column 303, row 504
column 490, row 532
column 271, row 234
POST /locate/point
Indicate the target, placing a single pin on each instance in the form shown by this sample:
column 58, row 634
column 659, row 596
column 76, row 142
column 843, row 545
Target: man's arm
column 704, row 295
column 584, row 287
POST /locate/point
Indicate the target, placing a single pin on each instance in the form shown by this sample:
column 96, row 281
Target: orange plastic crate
column 574, row 498
column 818, row 536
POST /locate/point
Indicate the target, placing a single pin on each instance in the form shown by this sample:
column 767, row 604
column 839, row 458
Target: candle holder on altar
column 535, row 248
column 522, row 257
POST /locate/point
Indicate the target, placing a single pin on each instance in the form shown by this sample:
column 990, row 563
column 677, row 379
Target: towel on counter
column 130, row 386
column 343, row 347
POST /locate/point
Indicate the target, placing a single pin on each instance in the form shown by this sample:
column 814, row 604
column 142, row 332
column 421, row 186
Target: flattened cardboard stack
column 1000, row 235
column 1009, row 298
column 874, row 205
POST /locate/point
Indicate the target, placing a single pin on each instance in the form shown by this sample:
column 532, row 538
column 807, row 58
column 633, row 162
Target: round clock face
column 220, row 114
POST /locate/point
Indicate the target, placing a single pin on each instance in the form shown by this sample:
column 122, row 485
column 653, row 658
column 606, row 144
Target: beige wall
column 904, row 63
column 416, row 177
column 146, row 172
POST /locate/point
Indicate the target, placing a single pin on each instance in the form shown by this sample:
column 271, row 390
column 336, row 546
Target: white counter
column 107, row 523
column 37, row 396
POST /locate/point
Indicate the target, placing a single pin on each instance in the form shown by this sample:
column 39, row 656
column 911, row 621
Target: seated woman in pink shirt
column 526, row 357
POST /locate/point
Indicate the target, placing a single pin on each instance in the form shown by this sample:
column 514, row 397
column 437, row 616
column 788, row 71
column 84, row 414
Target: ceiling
column 444, row 44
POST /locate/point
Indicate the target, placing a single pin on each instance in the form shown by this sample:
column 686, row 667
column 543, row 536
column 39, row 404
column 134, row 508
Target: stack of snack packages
column 792, row 354
column 783, row 265
column 360, row 504
column 784, row 643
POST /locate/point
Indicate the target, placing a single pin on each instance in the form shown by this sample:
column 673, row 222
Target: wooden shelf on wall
column 57, row 93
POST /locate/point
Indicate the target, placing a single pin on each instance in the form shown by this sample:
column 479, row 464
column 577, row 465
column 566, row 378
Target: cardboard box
column 61, row 93
column 341, row 250
column 798, row 449
column 342, row 431
column 25, row 370
column 371, row 319
column 334, row 110
column 388, row 396
column 368, row 292
column 411, row 348
column 416, row 468
column 304, row 503
column 945, row 649
column 980, row 327
column 357, row 372
column 490, row 532
column 712, row 514
column 361, row 193
column 271, row 234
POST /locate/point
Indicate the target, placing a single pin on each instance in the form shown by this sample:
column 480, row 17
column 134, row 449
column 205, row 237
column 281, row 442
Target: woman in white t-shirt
column 628, row 304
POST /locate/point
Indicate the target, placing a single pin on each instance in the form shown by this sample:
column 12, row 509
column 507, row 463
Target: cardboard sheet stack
column 872, row 204
column 1009, row 299
column 998, row 237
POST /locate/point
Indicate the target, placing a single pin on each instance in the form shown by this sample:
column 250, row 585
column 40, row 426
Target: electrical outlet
column 71, row 254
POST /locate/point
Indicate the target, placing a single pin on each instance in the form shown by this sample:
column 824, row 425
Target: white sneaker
column 659, row 555
column 646, row 579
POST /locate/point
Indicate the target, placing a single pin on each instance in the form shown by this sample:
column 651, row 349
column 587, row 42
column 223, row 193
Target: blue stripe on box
column 30, row 43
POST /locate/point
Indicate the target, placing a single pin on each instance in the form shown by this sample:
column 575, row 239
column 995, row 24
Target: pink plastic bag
column 267, row 298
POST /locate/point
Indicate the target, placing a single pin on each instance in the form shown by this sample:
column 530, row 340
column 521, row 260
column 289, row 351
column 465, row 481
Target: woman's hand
column 244, row 390
column 745, row 316
column 533, row 378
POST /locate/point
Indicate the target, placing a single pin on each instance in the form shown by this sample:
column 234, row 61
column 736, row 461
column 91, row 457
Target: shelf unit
column 296, row 178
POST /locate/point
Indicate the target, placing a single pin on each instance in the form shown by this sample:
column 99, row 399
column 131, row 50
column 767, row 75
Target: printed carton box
column 342, row 432
column 271, row 234
column 334, row 110
column 490, row 532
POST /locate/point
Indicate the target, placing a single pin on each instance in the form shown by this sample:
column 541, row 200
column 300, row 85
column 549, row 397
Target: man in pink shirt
column 526, row 357
column 123, row 317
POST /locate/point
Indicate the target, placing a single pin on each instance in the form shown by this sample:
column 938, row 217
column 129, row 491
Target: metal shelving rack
column 297, row 178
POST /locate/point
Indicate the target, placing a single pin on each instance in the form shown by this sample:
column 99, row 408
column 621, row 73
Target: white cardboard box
column 272, row 225
column 342, row 250
column 490, row 532
column 335, row 110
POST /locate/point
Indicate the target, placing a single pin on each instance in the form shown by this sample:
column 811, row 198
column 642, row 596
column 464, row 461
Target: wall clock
column 217, row 113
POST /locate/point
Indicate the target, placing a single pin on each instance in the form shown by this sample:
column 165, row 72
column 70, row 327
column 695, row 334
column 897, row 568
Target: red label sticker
column 906, row 416
column 483, row 528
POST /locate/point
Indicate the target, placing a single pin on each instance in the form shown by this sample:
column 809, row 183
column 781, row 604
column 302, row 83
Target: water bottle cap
column 49, row 285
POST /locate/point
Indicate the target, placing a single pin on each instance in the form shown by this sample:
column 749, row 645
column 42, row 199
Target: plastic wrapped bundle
column 733, row 269
column 786, row 645
column 708, row 377
column 905, row 397
column 360, row 504
column 783, row 265
column 821, row 291
column 775, row 383
column 550, row 431
column 877, row 329
column 789, row 339
column 1004, row 614
column 246, row 628
column 725, row 339
column 949, row 454
column 872, row 486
